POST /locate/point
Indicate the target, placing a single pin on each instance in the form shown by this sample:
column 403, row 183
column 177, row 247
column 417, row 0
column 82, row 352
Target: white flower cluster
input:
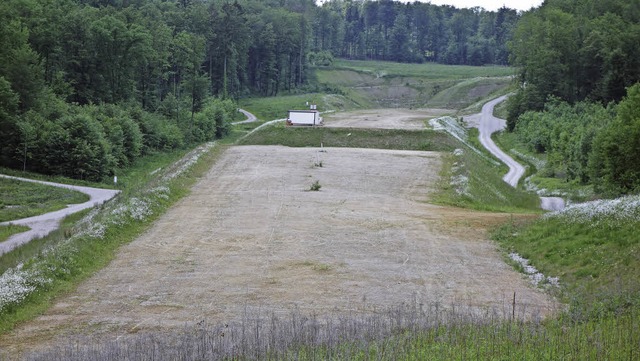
column 139, row 209
column 187, row 161
column 535, row 276
column 16, row 284
column 160, row 192
column 459, row 180
column 458, row 131
column 624, row 209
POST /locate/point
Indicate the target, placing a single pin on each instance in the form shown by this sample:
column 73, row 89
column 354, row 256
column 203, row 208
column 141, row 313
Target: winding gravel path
column 488, row 124
column 46, row 223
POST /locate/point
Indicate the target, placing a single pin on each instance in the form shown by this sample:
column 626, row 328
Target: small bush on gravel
column 315, row 186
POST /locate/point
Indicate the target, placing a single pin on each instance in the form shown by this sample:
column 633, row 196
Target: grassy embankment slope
column 352, row 84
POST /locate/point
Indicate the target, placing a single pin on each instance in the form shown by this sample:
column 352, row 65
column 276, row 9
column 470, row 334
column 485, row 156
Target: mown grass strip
column 426, row 140
column 19, row 199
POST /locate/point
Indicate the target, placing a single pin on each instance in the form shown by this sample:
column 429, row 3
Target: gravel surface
column 384, row 118
column 46, row 223
column 251, row 236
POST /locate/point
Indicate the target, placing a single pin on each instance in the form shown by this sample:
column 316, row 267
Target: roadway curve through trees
column 46, row 223
column 250, row 117
column 488, row 124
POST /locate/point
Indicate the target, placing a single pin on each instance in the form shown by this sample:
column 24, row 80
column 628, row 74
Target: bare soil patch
column 251, row 236
column 384, row 118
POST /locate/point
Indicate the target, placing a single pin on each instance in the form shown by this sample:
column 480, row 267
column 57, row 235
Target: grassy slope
column 426, row 70
column 24, row 199
column 370, row 84
column 347, row 137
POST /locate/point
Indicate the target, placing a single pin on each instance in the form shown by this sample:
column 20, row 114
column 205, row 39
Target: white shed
column 304, row 117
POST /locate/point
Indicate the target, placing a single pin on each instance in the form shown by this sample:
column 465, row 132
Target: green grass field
column 25, row 199
column 347, row 137
column 427, row 70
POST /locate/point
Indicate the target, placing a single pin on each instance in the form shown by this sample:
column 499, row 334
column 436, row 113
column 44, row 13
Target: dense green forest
column 578, row 61
column 413, row 32
column 88, row 86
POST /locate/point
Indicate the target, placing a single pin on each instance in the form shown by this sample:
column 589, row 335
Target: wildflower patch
column 612, row 211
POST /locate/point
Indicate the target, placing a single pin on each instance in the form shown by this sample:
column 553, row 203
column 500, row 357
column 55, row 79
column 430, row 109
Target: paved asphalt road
column 250, row 117
column 488, row 124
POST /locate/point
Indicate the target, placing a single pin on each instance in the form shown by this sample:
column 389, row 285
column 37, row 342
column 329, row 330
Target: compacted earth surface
column 252, row 236
column 412, row 119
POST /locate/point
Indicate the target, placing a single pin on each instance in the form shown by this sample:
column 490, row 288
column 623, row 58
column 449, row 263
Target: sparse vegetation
column 408, row 332
column 315, row 186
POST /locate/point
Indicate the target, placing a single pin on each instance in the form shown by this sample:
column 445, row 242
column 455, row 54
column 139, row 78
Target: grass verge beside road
column 89, row 240
column 19, row 199
column 594, row 248
column 10, row 230
column 537, row 176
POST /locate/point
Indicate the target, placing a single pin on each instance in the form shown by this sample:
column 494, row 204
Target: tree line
column 413, row 32
column 88, row 86
column 578, row 69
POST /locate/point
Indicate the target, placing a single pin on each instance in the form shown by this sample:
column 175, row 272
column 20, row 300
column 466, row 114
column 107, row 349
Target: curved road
column 250, row 117
column 488, row 124
column 46, row 223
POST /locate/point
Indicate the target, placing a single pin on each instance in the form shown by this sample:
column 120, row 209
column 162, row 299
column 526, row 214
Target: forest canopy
column 88, row 86
column 578, row 68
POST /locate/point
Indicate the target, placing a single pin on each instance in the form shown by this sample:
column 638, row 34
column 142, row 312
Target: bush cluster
column 91, row 142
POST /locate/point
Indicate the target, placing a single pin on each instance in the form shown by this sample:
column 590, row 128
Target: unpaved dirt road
column 44, row 224
column 251, row 236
